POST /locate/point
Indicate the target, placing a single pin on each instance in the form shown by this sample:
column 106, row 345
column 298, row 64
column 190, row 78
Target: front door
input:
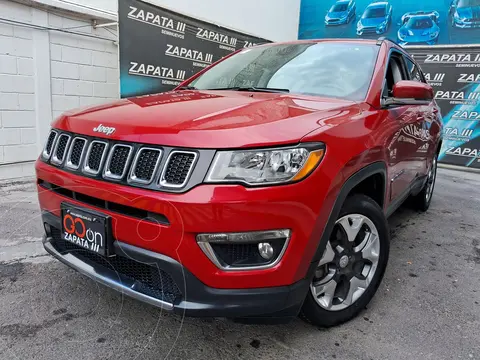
column 407, row 122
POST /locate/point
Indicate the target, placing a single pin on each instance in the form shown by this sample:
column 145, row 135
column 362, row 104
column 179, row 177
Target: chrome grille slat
column 95, row 157
column 118, row 161
column 153, row 167
column 75, row 154
column 60, row 149
column 145, row 165
column 47, row 150
column 178, row 169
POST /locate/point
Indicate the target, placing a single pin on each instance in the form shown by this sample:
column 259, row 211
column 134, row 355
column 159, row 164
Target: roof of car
column 342, row 40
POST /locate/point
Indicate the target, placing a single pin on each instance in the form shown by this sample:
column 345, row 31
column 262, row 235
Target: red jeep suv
column 259, row 188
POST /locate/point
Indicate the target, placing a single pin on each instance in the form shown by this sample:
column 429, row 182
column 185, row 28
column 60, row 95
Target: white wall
column 42, row 74
column 275, row 20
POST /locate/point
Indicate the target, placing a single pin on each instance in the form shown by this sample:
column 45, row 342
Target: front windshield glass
column 339, row 7
column 420, row 23
column 374, row 12
column 342, row 70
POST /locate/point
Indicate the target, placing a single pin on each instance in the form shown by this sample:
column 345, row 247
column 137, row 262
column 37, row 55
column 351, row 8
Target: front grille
column 145, row 165
column 95, row 156
column 476, row 14
column 76, row 152
column 367, row 30
column 60, row 148
column 178, row 168
column 117, row 161
column 149, row 280
column 47, row 151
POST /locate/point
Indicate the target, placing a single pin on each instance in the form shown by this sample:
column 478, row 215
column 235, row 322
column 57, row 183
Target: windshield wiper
column 187, row 87
column 254, row 89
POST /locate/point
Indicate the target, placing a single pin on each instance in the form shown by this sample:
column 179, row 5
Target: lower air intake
column 152, row 281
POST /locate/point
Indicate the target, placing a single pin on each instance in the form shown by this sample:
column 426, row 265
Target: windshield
column 420, row 23
column 326, row 69
column 339, row 7
column 468, row 3
column 374, row 12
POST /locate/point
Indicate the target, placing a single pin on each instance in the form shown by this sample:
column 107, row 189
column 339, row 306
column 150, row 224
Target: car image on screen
column 342, row 12
column 465, row 13
column 375, row 19
column 419, row 28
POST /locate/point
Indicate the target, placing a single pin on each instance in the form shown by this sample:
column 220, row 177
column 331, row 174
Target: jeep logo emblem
column 104, row 129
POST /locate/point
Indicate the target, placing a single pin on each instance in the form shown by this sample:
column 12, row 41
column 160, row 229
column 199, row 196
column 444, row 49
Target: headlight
column 382, row 25
column 359, row 25
column 410, row 32
column 434, row 34
column 458, row 18
column 263, row 167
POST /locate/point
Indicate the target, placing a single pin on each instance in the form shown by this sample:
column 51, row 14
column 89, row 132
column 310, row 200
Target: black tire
column 422, row 200
column 311, row 311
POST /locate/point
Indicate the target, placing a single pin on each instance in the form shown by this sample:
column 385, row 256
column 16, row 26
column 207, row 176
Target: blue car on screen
column 342, row 12
column 419, row 28
column 375, row 19
column 465, row 13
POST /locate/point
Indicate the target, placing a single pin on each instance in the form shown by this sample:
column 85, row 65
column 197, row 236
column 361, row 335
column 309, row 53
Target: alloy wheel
column 432, row 174
column 348, row 265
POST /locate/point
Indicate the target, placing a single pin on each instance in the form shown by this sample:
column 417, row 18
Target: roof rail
column 381, row 39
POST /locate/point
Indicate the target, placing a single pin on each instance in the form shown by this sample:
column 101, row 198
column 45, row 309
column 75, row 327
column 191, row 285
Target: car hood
column 469, row 12
column 372, row 21
column 336, row 14
column 210, row 119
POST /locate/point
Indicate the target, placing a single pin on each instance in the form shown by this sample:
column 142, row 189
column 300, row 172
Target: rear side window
column 413, row 71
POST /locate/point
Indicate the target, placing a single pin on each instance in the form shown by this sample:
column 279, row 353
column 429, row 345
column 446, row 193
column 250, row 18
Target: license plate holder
column 87, row 229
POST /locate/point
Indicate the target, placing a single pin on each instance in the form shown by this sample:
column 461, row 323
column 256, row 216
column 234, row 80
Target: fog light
column 253, row 250
column 265, row 250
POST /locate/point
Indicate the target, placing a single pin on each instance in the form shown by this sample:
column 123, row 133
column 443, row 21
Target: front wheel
column 352, row 266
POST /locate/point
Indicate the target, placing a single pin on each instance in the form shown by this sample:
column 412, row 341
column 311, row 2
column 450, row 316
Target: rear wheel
column 422, row 200
column 352, row 265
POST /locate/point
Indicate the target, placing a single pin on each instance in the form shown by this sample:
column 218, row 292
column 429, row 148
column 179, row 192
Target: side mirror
column 407, row 92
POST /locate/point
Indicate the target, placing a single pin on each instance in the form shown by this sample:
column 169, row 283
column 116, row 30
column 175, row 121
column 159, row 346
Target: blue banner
column 408, row 22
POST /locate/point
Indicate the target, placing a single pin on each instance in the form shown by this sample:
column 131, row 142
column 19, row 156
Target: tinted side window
column 413, row 71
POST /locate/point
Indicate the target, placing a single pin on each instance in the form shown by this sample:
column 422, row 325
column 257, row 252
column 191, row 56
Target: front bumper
column 370, row 31
column 412, row 41
column 336, row 22
column 467, row 25
column 304, row 208
column 193, row 297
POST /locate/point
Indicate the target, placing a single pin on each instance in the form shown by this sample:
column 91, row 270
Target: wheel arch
column 377, row 169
